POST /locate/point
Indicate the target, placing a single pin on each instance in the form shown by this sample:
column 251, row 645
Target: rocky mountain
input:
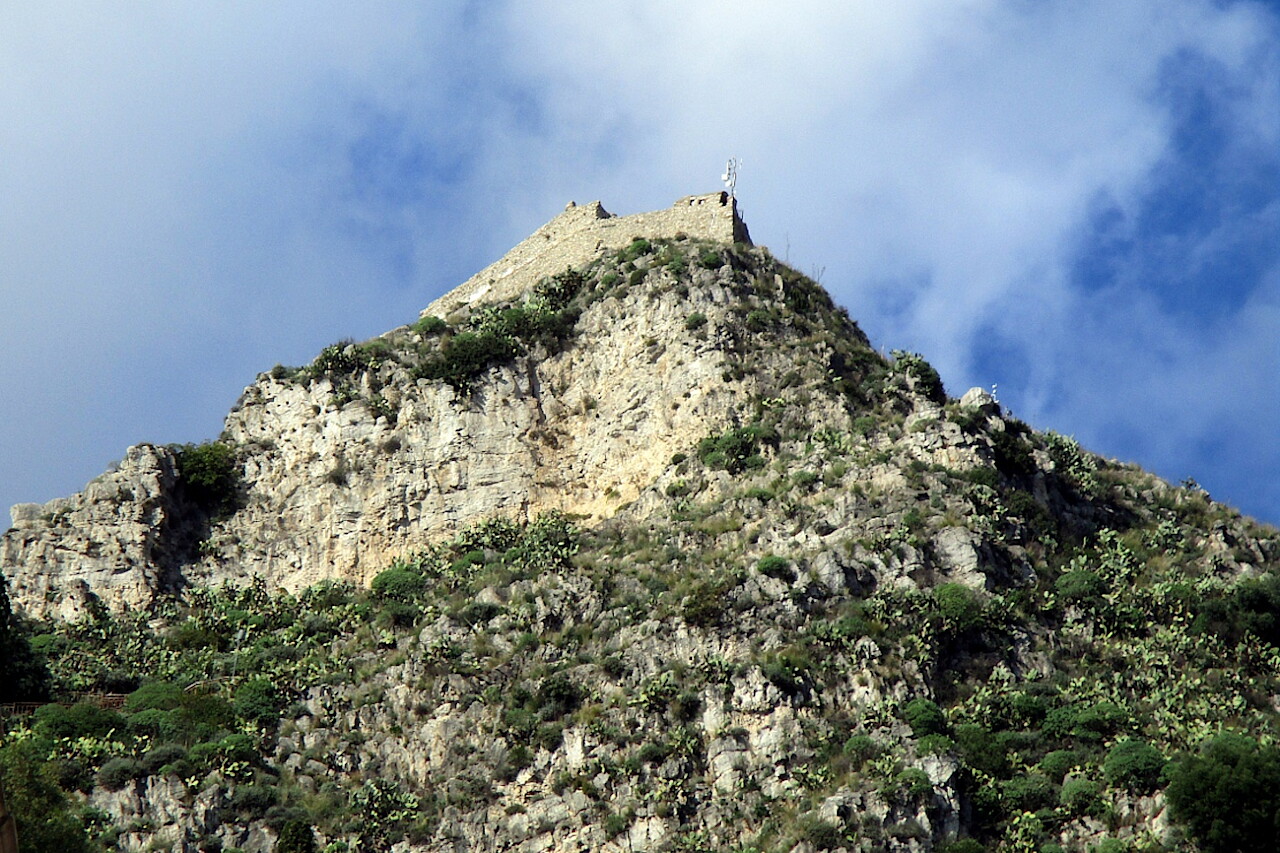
column 634, row 542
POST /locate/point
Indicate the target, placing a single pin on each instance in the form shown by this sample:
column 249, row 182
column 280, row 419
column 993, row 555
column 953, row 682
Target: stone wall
column 579, row 234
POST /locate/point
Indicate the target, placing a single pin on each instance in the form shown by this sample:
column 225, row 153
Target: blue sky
column 1078, row 202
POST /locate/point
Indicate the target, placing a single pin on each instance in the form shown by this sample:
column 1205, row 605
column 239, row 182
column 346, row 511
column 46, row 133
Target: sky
column 1074, row 201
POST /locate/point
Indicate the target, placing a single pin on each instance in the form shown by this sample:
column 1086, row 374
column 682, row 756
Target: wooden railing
column 112, row 701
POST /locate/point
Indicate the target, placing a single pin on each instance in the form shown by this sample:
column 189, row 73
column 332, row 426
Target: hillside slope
column 656, row 553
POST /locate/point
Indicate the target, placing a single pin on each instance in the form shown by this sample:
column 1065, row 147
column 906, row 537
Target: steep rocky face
column 116, row 535
column 345, row 468
column 663, row 557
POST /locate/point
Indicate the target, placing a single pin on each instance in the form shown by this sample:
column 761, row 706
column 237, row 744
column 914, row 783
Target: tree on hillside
column 22, row 673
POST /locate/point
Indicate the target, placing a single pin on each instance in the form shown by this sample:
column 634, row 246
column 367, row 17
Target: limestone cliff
column 650, row 551
column 343, row 472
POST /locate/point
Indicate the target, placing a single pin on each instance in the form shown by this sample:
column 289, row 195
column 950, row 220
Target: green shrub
column 557, row 696
column 258, row 701
column 914, row 782
column 820, row 834
column 467, row 355
column 297, row 836
column 430, row 325
column 79, row 720
column 696, row 320
column 934, row 745
column 925, row 717
column 981, row 749
column 759, row 320
column 1058, row 763
column 776, row 567
column 1134, row 765
column 737, row 449
column 635, row 249
column 1252, row 607
column 23, row 675
column 861, row 748
column 1099, row 720
column 1012, row 455
column 1081, row 797
column 1080, row 586
column 1228, row 796
column 118, row 772
column 250, row 802
column 964, row 845
column 399, row 584
column 155, row 695
column 202, row 717
column 1028, row 793
column 710, row 259
column 209, row 476
column 169, row 753
column 959, row 607
column 924, row 377
column 42, row 811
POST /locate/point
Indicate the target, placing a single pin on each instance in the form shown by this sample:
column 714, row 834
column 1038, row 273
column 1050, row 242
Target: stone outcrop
column 111, row 536
column 337, row 490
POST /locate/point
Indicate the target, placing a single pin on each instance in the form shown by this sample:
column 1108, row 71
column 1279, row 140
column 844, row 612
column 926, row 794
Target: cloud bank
column 1078, row 201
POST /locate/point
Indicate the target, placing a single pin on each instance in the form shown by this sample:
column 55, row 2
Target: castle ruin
column 580, row 234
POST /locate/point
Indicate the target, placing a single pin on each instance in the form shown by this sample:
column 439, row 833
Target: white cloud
column 204, row 190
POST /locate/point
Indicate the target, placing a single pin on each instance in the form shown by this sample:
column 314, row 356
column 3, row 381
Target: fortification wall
column 580, row 234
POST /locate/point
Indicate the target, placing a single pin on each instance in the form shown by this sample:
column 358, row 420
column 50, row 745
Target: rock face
column 111, row 538
column 336, row 489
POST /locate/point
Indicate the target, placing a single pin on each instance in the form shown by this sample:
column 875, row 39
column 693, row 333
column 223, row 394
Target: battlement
column 580, row 234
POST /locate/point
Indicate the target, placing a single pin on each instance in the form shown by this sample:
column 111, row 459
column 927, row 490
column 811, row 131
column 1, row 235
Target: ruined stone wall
column 580, row 234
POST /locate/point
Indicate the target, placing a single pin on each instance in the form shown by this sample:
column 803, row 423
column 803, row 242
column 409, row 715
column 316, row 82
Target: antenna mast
column 730, row 176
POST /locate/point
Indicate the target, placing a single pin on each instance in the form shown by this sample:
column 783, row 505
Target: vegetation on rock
column 855, row 614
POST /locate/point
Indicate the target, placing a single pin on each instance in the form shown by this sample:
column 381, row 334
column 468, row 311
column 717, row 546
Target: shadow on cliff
column 207, row 488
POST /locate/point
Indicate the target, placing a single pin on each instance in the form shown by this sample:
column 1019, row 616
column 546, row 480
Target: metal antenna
column 730, row 176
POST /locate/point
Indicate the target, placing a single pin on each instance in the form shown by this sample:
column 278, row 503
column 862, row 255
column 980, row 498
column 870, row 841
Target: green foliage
column 467, row 355
column 964, row 845
column 296, row 836
column 45, row 819
column 209, row 475
column 959, row 607
column 861, row 748
column 925, row 717
column 118, row 772
column 155, row 695
column 981, row 749
column 80, row 720
column 1251, row 608
column 923, row 376
column 1228, row 796
column 1133, row 764
column 23, row 677
column 694, row 321
column 710, row 259
column 914, row 782
column 1012, row 454
column 1071, row 462
column 258, row 701
column 1081, row 796
column 430, row 325
column 635, row 249
column 497, row 334
column 1080, row 586
column 399, row 583
column 737, row 449
column 777, row 567
column 1058, row 763
column 1029, row 792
